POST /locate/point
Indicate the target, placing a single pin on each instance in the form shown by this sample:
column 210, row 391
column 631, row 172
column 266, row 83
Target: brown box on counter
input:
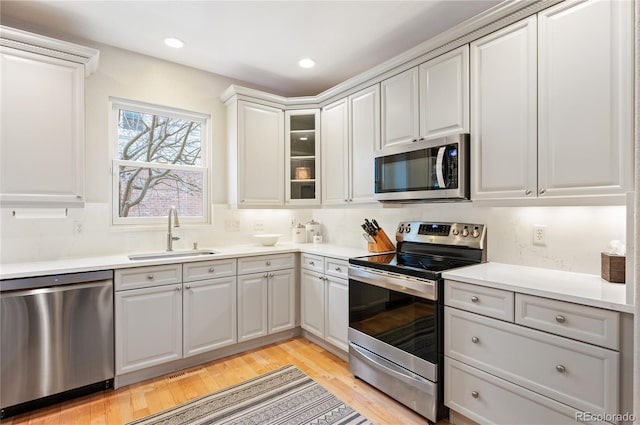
column 613, row 267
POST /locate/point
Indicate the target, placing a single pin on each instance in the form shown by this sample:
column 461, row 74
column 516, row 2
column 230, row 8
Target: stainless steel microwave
column 436, row 170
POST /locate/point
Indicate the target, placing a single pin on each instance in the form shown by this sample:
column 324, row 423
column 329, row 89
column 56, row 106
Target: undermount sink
column 171, row 254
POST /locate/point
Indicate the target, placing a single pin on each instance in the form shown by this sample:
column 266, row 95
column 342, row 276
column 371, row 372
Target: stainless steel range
column 396, row 310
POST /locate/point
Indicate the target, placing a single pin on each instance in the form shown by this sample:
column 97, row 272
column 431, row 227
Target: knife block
column 382, row 243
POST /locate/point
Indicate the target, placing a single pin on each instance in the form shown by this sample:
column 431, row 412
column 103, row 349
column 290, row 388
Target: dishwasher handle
column 54, row 280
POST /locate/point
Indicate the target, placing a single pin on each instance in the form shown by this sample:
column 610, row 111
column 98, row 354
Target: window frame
column 115, row 105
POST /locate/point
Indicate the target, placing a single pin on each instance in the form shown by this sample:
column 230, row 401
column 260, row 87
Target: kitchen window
column 159, row 160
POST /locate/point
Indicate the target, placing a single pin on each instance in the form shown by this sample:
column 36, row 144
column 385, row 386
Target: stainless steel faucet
column 176, row 223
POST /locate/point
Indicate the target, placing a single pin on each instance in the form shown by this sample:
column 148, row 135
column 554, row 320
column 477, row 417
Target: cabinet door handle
column 560, row 368
column 475, row 299
column 528, row 192
column 542, row 191
column 560, row 318
column 475, row 340
column 150, row 276
column 211, row 270
column 475, row 394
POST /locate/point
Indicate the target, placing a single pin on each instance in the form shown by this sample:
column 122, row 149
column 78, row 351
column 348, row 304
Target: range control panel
column 460, row 234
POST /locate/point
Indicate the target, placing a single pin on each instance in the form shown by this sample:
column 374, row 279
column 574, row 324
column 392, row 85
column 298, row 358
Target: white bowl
column 267, row 239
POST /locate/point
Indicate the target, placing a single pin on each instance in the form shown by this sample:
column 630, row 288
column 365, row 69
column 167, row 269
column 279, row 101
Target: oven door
column 391, row 317
column 436, row 169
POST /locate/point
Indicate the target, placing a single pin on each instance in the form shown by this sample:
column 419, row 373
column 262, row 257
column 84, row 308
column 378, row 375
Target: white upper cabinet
column 256, row 154
column 400, row 116
column 552, row 104
column 350, row 136
column 444, row 94
column 42, row 120
column 504, row 113
column 335, row 153
column 585, row 92
column 428, row 101
column 302, row 150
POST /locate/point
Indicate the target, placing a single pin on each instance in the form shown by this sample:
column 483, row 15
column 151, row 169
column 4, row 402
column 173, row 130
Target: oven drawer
column 490, row 302
column 580, row 375
column 584, row 323
column 337, row 268
column 313, row 262
column 486, row 399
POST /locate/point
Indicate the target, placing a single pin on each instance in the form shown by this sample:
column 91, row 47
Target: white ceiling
column 259, row 42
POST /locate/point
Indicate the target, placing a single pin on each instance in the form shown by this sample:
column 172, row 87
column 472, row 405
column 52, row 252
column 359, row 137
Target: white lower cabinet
column 165, row 319
column 523, row 368
column 324, row 299
column 148, row 327
column 266, row 299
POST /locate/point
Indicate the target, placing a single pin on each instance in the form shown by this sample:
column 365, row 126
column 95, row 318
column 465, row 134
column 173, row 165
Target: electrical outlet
column 231, row 225
column 258, row 226
column 540, row 234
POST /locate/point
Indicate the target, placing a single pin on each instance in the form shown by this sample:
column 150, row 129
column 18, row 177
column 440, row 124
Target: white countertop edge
column 77, row 265
column 579, row 288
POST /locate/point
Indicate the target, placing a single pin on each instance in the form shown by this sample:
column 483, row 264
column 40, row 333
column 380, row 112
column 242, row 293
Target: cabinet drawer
column 313, row 262
column 574, row 373
column 263, row 263
column 479, row 299
column 486, row 399
column 208, row 269
column 337, row 268
column 144, row 277
column 581, row 322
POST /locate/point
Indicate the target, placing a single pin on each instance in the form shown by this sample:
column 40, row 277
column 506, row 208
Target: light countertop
column 573, row 287
column 75, row 265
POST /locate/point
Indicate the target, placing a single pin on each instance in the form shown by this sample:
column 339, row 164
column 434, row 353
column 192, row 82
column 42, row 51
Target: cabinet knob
column 242, row 200
column 560, row 368
column 178, row 288
column 422, row 139
column 268, row 263
column 211, row 270
column 320, row 277
column 271, row 275
column 188, row 286
column 475, row 394
column 266, row 275
column 560, row 318
column 346, row 200
column 528, row 192
column 338, row 269
column 414, row 140
column 312, row 263
column 542, row 191
column 150, row 276
column 475, row 299
column 475, row 340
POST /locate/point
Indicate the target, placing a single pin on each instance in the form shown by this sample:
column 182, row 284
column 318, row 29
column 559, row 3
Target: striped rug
column 283, row 396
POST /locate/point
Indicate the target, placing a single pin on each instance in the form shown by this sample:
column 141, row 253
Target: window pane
column 150, row 192
column 154, row 138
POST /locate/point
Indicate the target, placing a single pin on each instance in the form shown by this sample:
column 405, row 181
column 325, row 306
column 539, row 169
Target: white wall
column 576, row 235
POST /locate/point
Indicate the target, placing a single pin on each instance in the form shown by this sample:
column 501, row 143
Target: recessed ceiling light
column 173, row 42
column 306, row 63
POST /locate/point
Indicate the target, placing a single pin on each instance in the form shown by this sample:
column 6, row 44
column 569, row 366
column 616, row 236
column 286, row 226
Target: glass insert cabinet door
column 303, row 153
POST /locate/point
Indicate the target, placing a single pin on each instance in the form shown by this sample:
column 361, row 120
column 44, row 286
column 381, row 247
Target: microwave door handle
column 439, row 169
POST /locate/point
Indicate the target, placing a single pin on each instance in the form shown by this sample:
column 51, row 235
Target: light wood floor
column 138, row 400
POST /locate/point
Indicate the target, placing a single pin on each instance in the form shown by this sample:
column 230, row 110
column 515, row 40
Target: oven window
column 404, row 321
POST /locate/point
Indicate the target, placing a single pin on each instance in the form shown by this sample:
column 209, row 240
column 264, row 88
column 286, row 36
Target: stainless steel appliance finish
column 396, row 311
column 56, row 335
column 432, row 170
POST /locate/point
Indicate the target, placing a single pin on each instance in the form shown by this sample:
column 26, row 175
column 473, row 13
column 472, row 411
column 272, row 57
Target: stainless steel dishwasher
column 56, row 338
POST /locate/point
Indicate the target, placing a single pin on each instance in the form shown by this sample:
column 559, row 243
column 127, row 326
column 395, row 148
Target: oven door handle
column 409, row 285
column 398, row 372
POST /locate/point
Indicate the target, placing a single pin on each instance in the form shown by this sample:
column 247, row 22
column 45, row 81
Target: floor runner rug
column 283, row 396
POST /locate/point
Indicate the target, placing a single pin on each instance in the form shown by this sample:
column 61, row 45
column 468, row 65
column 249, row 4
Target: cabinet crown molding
column 35, row 43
